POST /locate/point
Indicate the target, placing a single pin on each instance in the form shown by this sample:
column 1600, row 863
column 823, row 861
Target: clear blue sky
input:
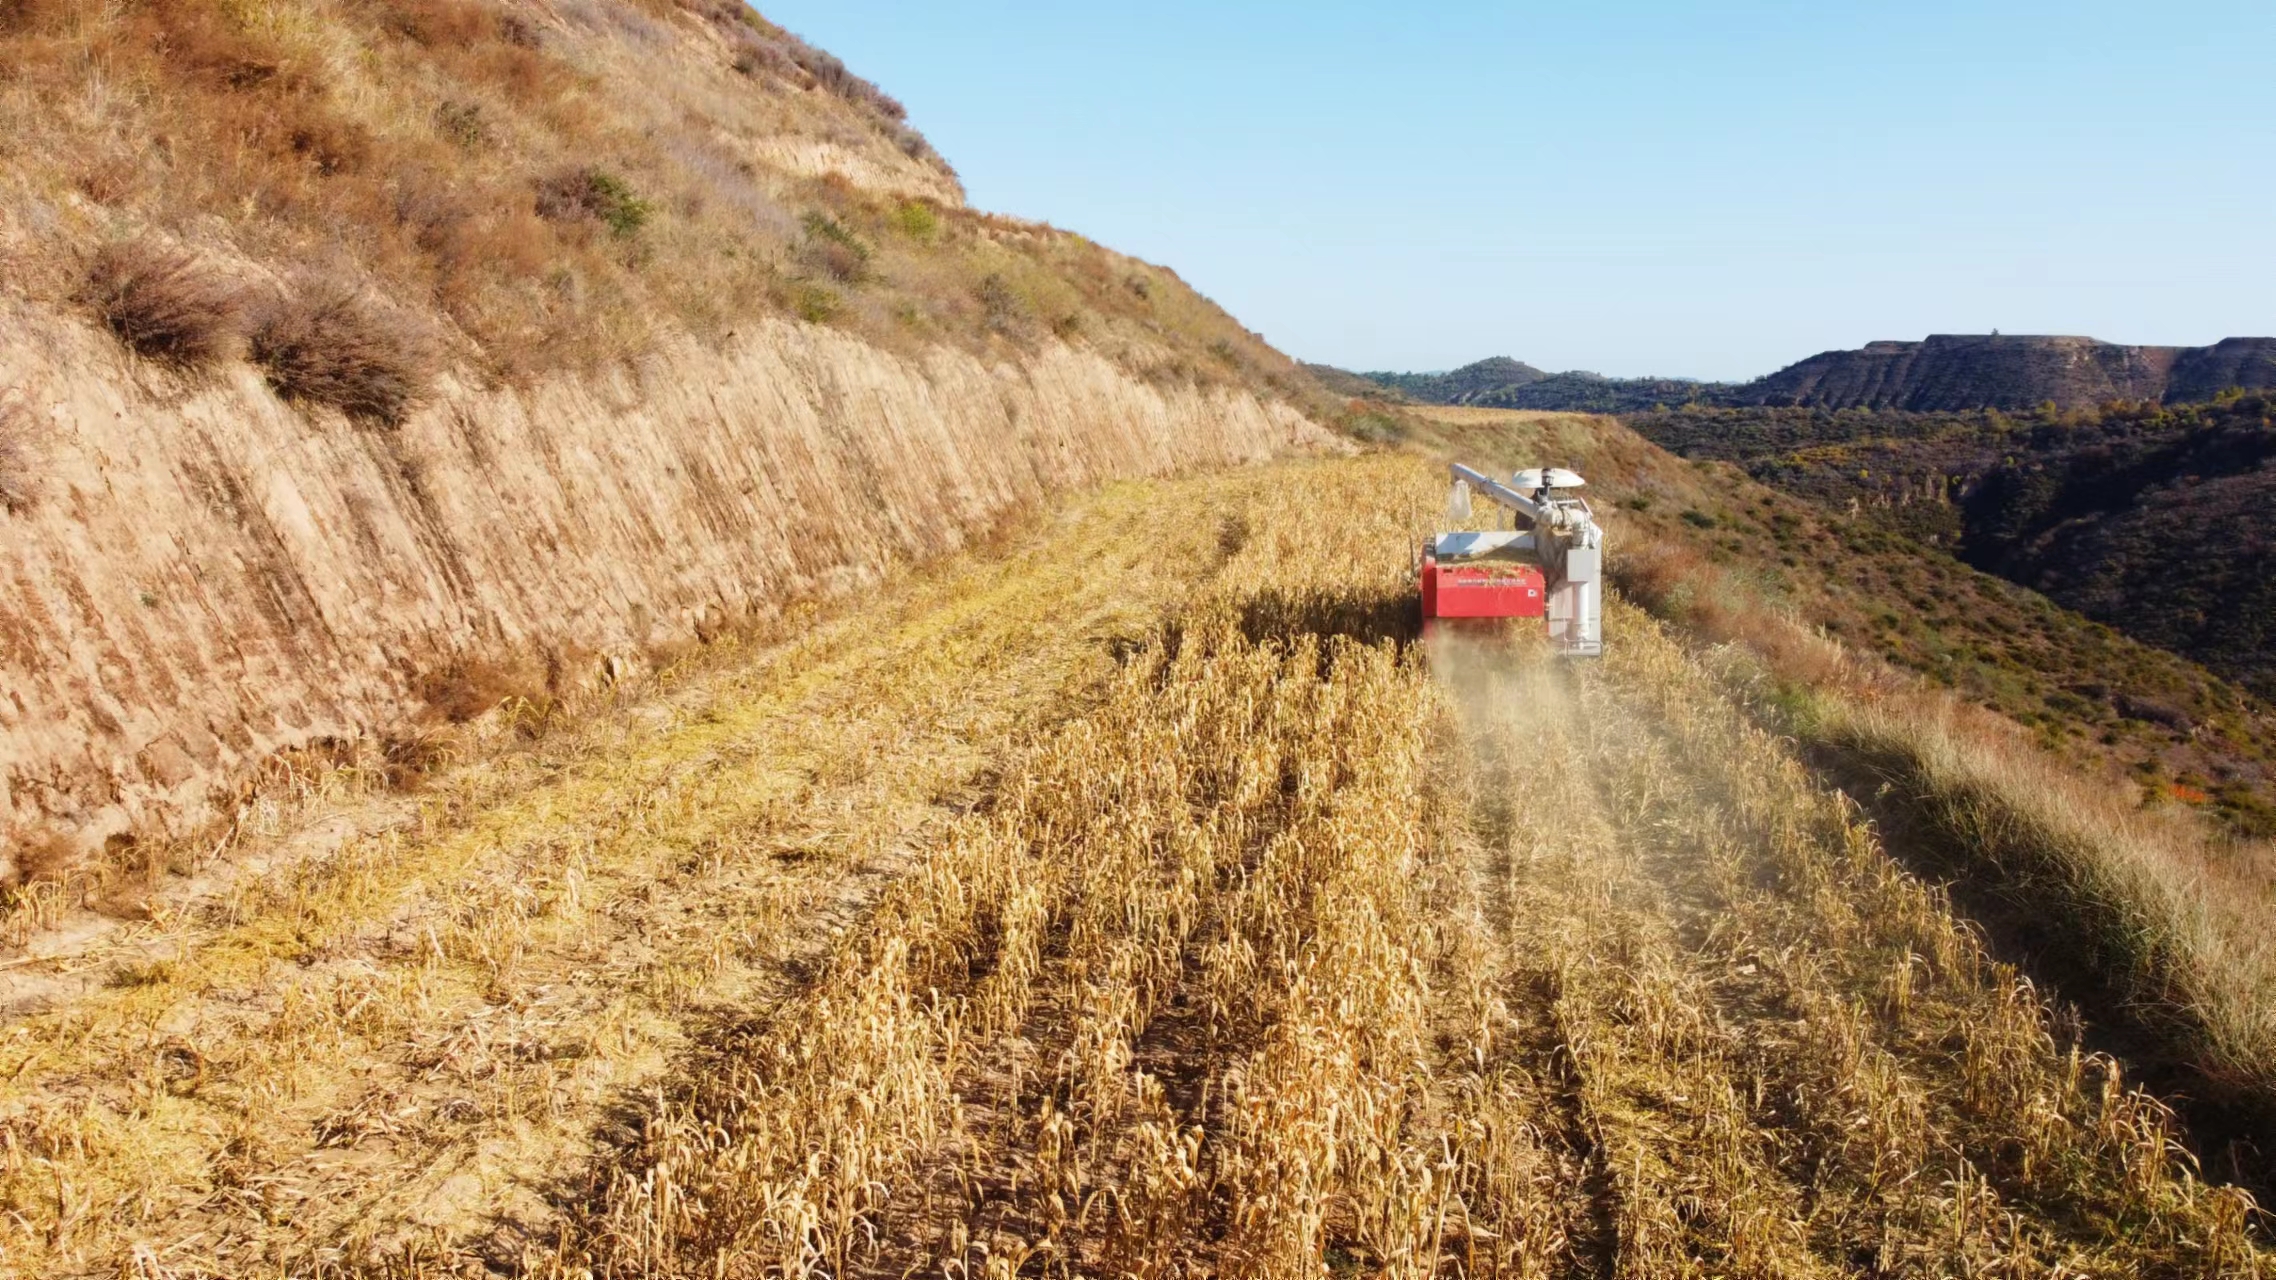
column 1630, row 186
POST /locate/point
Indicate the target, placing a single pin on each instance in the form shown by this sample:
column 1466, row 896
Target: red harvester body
column 1550, row 570
column 1487, row 589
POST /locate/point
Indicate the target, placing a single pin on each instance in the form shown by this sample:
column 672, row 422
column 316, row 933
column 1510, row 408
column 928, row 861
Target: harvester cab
column 1552, row 569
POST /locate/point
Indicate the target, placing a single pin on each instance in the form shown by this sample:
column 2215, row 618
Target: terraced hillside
column 1133, row 899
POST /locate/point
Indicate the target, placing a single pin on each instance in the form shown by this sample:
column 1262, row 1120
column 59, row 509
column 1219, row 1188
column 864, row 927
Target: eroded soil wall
column 205, row 575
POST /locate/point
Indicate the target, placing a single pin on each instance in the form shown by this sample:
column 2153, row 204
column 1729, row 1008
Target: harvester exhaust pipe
column 1553, row 570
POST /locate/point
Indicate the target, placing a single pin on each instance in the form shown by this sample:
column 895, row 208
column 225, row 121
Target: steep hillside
column 1952, row 372
column 2155, row 521
column 371, row 361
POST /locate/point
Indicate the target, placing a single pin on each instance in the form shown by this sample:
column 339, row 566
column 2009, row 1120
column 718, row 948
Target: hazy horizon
column 1675, row 189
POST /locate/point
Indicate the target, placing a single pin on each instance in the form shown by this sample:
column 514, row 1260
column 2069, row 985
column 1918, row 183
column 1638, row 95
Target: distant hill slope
column 1351, row 386
column 1579, row 392
column 1470, row 384
column 2158, row 521
column 1941, row 374
column 1503, row 383
column 1949, row 372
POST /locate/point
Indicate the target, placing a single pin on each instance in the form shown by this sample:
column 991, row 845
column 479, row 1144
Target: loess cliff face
column 213, row 576
column 539, row 338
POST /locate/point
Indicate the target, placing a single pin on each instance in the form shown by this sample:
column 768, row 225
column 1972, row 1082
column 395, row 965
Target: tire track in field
column 1516, row 711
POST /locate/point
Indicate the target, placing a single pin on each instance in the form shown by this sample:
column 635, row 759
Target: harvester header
column 1553, row 569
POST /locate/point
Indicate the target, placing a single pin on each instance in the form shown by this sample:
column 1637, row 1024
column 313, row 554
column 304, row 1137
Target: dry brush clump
column 167, row 303
column 19, row 466
column 327, row 342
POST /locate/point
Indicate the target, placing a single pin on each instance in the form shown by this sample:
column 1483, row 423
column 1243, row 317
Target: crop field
column 1134, row 899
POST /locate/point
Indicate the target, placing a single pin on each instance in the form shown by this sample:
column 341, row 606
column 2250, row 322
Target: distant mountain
column 1352, row 386
column 1944, row 373
column 1580, row 392
column 1952, row 372
column 1503, row 383
column 1470, row 384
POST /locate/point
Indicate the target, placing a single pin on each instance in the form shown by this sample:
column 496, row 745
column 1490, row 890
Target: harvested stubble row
column 1294, row 960
column 1284, row 955
column 412, row 1039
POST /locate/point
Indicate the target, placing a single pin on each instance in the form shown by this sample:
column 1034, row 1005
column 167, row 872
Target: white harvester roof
column 1533, row 478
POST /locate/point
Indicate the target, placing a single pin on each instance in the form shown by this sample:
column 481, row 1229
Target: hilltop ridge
column 1947, row 372
column 1942, row 373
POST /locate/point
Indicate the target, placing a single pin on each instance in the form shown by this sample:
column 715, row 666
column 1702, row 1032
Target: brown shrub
column 1002, row 309
column 30, row 15
column 19, row 487
column 36, row 856
column 327, row 343
column 464, row 689
column 165, row 303
column 327, row 143
column 440, row 22
column 596, row 194
column 833, row 250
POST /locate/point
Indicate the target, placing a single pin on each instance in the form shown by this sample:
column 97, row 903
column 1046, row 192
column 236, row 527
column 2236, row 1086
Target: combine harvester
column 1553, row 569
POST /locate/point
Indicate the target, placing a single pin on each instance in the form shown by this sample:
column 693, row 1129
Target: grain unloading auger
column 1552, row 570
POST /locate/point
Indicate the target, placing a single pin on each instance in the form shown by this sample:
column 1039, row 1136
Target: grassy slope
column 527, row 188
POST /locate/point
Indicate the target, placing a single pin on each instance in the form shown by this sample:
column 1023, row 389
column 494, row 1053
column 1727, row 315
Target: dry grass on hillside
column 547, row 186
